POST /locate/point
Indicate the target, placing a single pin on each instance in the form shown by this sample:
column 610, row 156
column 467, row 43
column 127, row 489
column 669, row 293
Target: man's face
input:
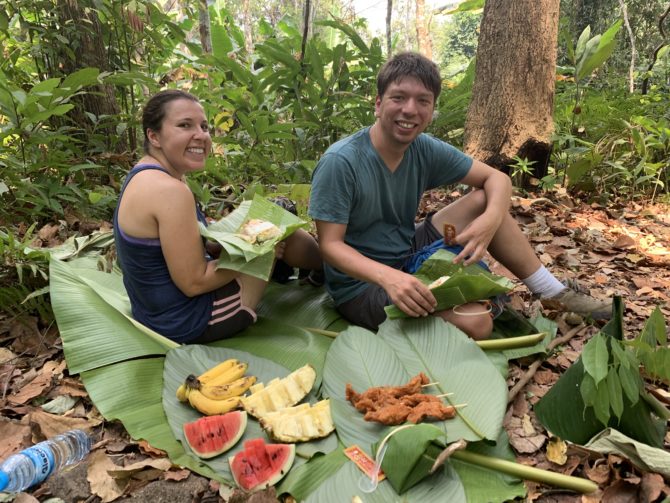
column 405, row 110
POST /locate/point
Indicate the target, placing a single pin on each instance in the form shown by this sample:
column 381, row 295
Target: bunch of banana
column 218, row 390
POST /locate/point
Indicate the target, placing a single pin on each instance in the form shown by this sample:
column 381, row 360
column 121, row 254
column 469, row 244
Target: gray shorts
column 367, row 310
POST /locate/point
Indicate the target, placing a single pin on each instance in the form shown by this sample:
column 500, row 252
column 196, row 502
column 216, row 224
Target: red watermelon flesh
column 261, row 465
column 212, row 435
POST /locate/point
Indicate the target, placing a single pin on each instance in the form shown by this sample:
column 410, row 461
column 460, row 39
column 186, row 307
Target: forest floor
column 619, row 249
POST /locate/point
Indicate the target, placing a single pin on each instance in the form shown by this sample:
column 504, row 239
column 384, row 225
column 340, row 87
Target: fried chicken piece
column 380, row 394
column 429, row 410
column 390, row 414
column 417, row 398
column 392, row 405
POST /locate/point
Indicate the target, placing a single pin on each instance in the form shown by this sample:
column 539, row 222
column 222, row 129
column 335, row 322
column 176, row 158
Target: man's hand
column 475, row 238
column 408, row 293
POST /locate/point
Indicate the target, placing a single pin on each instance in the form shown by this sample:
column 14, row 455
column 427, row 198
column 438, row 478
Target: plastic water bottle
column 34, row 464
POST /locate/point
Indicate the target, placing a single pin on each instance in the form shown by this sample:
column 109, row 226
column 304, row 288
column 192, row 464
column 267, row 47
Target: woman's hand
column 280, row 248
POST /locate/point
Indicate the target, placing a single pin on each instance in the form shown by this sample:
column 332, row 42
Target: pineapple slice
column 300, row 423
column 280, row 393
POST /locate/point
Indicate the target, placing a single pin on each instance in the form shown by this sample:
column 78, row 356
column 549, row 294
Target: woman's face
column 183, row 141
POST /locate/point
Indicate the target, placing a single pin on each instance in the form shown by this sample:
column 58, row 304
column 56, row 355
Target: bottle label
column 43, row 459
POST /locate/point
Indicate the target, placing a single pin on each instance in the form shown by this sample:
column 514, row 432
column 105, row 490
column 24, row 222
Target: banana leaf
column 195, row 359
column 317, row 310
column 445, row 485
column 131, row 392
column 410, row 455
column 114, row 356
column 465, row 283
column 93, row 315
column 401, row 349
column 240, row 255
column 563, row 411
column 287, row 345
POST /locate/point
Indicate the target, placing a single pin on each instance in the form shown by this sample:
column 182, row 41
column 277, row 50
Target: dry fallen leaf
column 35, row 387
column 15, row 436
column 556, row 451
column 102, row 483
column 53, row 424
column 177, row 475
column 132, row 470
column 151, row 451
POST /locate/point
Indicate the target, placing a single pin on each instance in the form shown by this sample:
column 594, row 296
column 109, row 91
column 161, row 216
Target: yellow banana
column 211, row 407
column 223, row 391
column 227, row 377
column 217, row 370
column 182, row 393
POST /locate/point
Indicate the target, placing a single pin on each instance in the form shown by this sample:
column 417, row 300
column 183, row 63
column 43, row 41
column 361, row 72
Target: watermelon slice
column 261, row 465
column 212, row 435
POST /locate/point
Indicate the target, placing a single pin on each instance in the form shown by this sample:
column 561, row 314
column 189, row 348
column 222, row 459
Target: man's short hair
column 409, row 64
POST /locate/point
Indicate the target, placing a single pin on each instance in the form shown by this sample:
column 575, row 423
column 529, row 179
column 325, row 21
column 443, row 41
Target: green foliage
column 456, row 41
column 278, row 111
column 23, row 276
column 611, row 368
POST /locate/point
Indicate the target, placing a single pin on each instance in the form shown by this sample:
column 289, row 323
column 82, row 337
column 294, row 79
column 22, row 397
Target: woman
column 173, row 285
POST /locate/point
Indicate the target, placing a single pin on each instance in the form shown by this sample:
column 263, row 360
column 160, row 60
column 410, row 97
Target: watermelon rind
column 245, row 475
column 211, row 436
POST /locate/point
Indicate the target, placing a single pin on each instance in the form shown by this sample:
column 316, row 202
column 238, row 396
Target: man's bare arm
column 405, row 291
column 477, row 236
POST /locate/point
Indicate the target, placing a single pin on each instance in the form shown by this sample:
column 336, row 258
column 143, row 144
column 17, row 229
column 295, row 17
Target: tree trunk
column 203, row 27
column 422, row 30
column 90, row 52
column 513, row 94
column 389, row 10
column 248, row 37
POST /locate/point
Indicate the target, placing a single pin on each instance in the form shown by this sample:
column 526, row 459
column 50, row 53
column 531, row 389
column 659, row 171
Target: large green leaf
column 301, row 305
column 441, row 487
column 305, row 479
column 195, row 359
column 563, row 412
column 93, row 316
column 402, row 349
column 131, row 392
column 286, row 345
column 646, row 458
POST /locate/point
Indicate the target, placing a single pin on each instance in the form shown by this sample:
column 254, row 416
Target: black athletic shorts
column 367, row 310
column 229, row 316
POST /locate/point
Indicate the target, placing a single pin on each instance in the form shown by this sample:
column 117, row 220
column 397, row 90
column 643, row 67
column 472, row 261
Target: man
column 365, row 194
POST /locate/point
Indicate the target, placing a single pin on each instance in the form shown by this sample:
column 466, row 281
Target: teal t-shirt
column 351, row 185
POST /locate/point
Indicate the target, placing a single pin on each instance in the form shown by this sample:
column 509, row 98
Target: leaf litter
column 620, row 249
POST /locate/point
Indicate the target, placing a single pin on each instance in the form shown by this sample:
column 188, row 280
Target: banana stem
column 327, row 333
column 511, row 342
column 527, row 472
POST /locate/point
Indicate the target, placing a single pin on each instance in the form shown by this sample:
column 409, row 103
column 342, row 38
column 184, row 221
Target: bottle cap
column 4, row 480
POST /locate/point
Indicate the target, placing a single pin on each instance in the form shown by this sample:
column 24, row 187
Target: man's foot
column 576, row 300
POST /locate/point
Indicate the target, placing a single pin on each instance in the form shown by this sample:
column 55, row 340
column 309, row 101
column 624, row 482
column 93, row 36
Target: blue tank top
column 154, row 298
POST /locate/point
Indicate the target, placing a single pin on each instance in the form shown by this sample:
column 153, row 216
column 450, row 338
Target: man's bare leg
column 509, row 245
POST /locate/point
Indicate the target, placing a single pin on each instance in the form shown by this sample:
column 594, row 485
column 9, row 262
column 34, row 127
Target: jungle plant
column 586, row 57
column 23, row 276
column 604, row 387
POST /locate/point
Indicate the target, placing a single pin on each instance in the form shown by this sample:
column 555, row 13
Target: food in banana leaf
column 392, row 405
column 438, row 282
column 257, row 231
